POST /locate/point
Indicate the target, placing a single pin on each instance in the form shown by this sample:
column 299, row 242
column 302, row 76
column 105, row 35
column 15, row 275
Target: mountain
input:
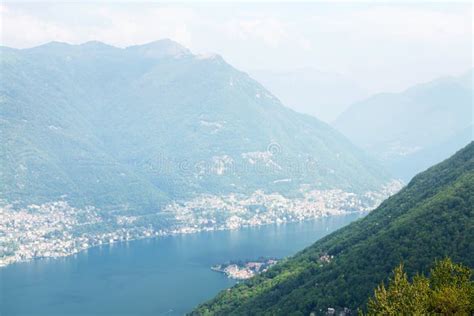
column 432, row 217
column 407, row 123
column 137, row 128
column 324, row 95
column 407, row 166
column 160, row 49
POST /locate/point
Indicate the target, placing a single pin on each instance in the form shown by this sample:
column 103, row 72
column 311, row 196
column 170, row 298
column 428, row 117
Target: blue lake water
column 161, row 276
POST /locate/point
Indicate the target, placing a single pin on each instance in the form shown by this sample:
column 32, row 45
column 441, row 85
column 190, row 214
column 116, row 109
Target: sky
column 383, row 47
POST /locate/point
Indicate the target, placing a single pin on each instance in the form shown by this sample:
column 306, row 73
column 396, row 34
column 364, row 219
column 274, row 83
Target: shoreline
column 57, row 229
column 180, row 233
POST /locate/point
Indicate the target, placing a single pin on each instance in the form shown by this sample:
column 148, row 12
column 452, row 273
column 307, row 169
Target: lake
column 160, row 276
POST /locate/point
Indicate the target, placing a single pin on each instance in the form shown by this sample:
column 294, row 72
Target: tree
column 448, row 290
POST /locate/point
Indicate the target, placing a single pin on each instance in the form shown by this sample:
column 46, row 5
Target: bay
column 160, row 276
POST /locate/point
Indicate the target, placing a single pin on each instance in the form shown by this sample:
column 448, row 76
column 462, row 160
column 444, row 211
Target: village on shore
column 243, row 270
column 57, row 229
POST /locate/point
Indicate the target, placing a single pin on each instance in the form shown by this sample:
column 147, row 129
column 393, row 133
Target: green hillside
column 432, row 217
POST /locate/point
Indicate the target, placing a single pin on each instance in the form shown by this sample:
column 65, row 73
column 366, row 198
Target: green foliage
column 449, row 290
column 431, row 218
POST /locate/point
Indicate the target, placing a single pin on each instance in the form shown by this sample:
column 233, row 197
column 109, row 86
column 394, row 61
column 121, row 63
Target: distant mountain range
column 406, row 167
column 321, row 94
column 432, row 217
column 411, row 130
column 139, row 127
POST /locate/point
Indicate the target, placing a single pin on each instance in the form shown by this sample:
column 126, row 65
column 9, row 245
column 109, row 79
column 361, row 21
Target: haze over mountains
column 139, row 127
column 411, row 130
column 319, row 152
column 321, row 94
column 416, row 128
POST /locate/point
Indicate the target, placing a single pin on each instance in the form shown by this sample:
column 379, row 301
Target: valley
column 100, row 146
column 236, row 159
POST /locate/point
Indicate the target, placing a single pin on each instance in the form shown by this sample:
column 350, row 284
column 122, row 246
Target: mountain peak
column 161, row 48
column 96, row 45
column 53, row 47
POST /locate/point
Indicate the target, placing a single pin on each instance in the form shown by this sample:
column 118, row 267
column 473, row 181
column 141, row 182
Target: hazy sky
column 383, row 47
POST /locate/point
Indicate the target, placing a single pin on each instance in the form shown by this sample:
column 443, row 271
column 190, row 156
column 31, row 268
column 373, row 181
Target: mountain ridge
column 408, row 122
column 129, row 115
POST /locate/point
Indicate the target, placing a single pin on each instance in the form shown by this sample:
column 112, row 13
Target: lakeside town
column 57, row 229
column 246, row 269
column 243, row 270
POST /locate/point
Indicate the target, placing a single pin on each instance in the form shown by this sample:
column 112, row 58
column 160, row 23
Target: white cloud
column 269, row 30
column 113, row 25
column 381, row 46
column 128, row 28
column 405, row 23
column 23, row 30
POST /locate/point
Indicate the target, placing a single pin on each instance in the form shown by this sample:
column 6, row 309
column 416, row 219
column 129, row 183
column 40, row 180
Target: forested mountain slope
column 432, row 217
column 139, row 127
